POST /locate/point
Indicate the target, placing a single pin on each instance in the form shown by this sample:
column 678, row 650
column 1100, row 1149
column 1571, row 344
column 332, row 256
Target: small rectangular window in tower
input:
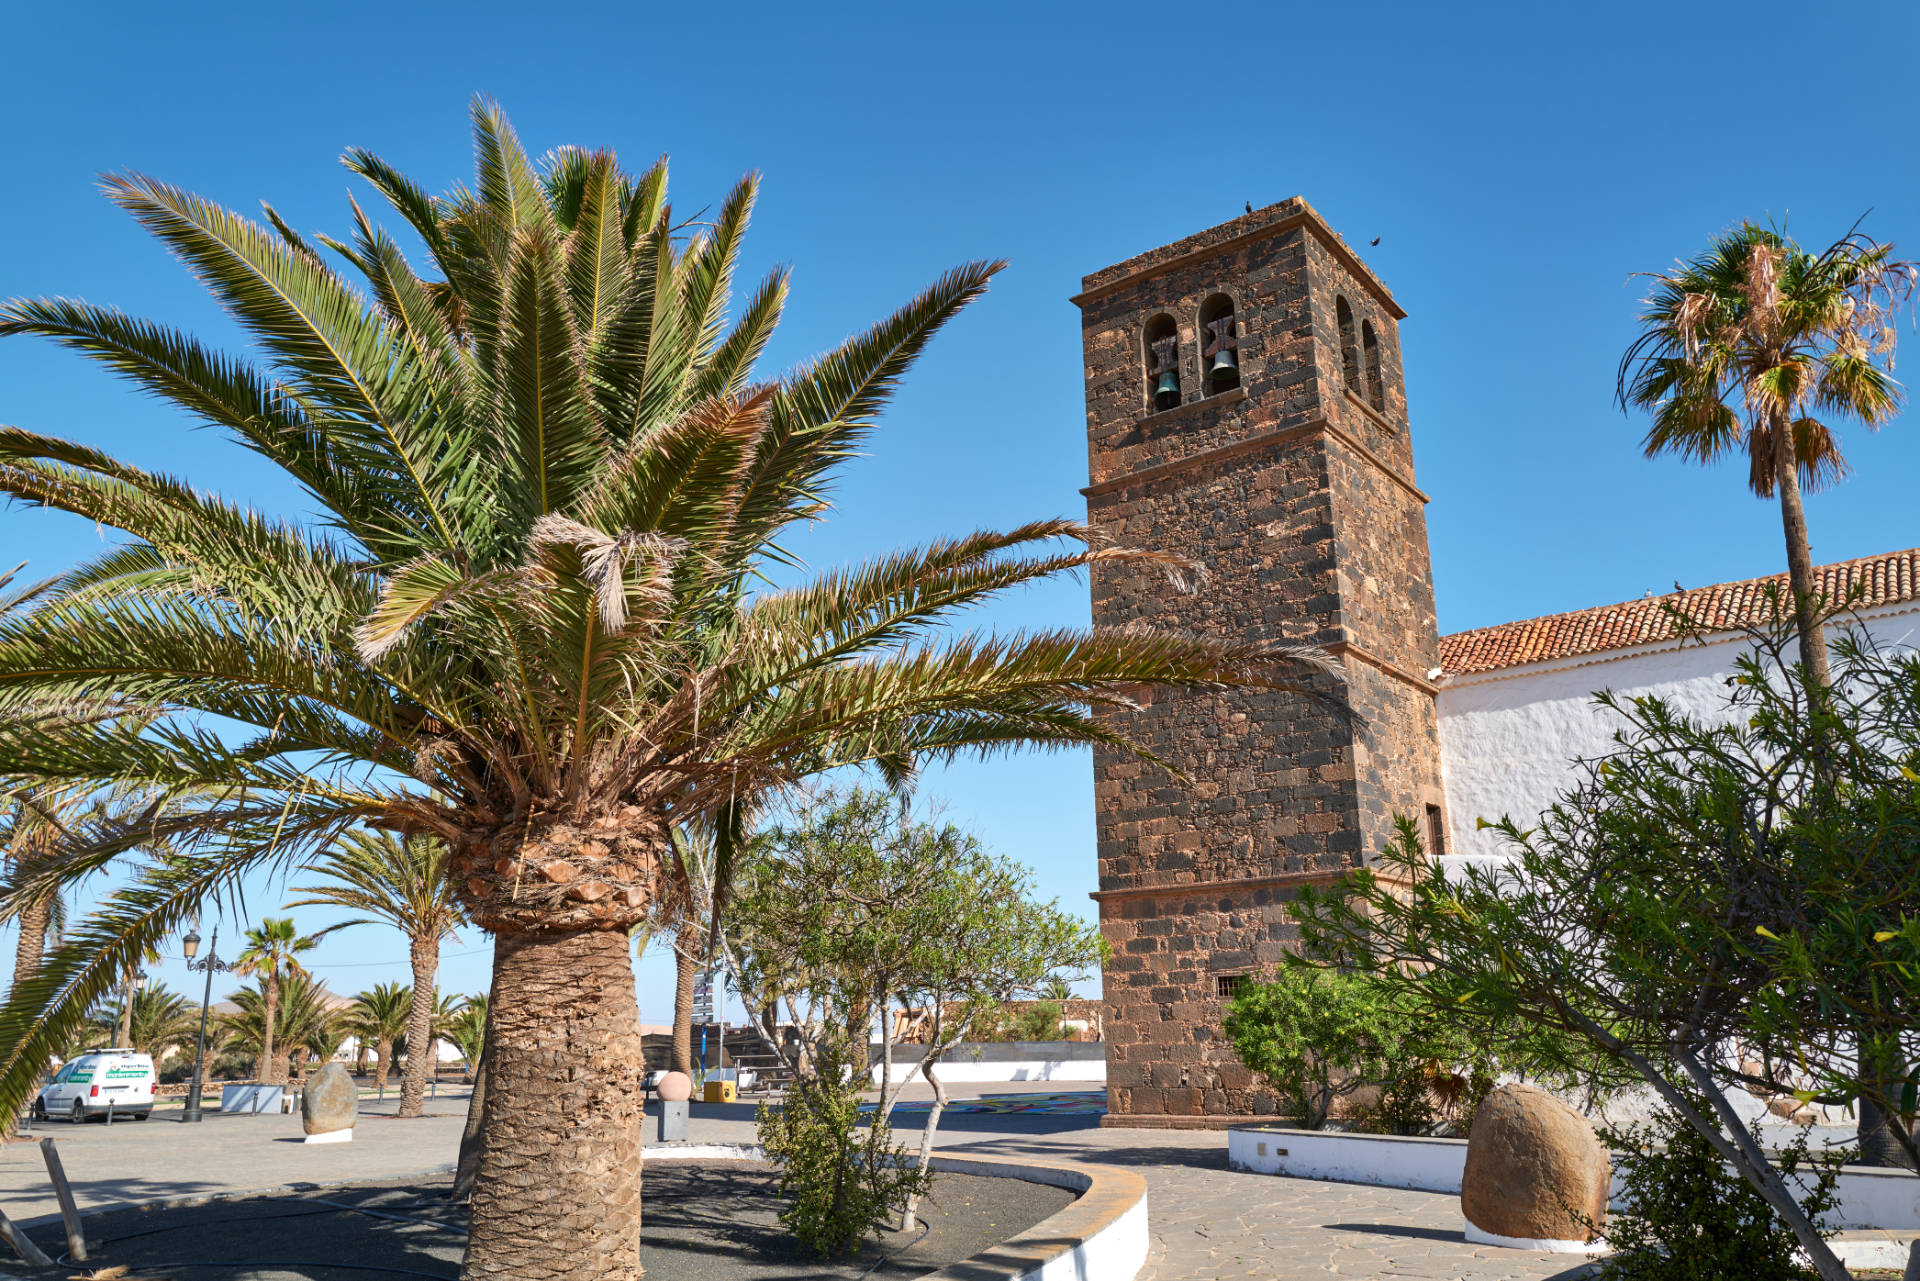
column 1436, row 832
column 1227, row 986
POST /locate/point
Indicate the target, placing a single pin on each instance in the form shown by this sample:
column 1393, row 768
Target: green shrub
column 1687, row 1217
column 1039, row 1021
column 841, row 1179
column 1325, row 1037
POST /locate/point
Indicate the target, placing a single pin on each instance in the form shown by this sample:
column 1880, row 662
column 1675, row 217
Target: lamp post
column 211, row 965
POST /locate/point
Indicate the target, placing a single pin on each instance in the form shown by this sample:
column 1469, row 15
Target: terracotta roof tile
column 1884, row 580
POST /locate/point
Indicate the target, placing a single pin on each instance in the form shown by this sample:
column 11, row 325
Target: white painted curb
column 1550, row 1245
column 1101, row 1236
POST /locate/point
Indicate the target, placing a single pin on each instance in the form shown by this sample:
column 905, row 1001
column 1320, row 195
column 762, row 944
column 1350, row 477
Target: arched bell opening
column 1349, row 352
column 1376, row 386
column 1160, row 350
column 1220, row 346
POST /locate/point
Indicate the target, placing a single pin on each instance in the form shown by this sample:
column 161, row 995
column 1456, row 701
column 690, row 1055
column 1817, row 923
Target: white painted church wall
column 1508, row 739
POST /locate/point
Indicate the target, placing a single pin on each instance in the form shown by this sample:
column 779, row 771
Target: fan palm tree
column 1759, row 346
column 533, row 619
column 379, row 1017
column 272, row 952
column 403, row 882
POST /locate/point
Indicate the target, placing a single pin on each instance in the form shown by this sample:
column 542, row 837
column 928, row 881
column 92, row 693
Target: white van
column 100, row 1079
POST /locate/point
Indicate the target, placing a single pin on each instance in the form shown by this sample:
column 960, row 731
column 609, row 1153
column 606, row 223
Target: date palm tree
column 1760, row 347
column 162, row 1020
column 272, row 952
column 467, row 1028
column 403, row 882
column 379, row 1017
column 304, row 1016
column 534, row 618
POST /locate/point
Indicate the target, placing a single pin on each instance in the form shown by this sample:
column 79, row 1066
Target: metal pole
column 192, row 1112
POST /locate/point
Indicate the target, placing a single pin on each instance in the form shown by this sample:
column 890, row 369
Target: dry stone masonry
column 1268, row 441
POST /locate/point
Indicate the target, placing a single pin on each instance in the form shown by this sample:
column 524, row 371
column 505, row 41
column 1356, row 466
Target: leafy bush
column 1039, row 1021
column 841, row 1179
column 1325, row 1037
column 1688, row 1217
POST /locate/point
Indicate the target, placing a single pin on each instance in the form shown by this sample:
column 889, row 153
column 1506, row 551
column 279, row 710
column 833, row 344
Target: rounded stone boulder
column 676, row 1087
column 330, row 1101
column 1536, row 1171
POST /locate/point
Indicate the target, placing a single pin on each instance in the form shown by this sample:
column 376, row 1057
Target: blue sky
column 1518, row 164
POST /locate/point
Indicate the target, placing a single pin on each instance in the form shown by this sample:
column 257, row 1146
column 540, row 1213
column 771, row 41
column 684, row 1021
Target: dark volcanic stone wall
column 1298, row 498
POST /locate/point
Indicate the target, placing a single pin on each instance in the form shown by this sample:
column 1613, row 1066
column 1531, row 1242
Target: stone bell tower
column 1245, row 408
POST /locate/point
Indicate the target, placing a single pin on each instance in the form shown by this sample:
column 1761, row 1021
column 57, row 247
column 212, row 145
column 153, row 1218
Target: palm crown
column 1759, row 334
column 1758, row 345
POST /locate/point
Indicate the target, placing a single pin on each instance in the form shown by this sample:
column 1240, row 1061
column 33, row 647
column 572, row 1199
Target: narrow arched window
column 1349, row 354
column 1376, row 389
column 1160, row 347
column 1219, row 346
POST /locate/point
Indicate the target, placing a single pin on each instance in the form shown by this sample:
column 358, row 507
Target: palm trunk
column 470, row 1135
column 559, row 1189
column 33, row 941
column 1793, row 517
column 686, row 971
column 31, row 946
column 267, row 1070
column 382, row 1063
column 124, row 1033
column 421, row 1047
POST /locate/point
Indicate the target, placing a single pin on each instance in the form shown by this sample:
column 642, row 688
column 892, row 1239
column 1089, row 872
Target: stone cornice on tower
column 1273, row 220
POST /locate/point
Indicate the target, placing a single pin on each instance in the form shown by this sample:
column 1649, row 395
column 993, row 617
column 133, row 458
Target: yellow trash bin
column 720, row 1092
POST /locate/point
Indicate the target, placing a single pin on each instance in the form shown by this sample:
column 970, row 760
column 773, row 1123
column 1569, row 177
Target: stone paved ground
column 1207, row 1221
column 1212, row 1222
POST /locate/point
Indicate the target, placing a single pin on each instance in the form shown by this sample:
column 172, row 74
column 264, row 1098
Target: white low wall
column 1868, row 1197
column 1428, row 1165
column 1094, row 1070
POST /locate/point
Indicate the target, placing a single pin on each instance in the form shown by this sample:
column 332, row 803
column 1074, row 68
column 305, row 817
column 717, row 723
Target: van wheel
column 79, row 1112
column 141, row 1116
column 39, row 1109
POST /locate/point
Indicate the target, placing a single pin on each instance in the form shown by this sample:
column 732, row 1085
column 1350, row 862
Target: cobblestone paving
column 1212, row 1222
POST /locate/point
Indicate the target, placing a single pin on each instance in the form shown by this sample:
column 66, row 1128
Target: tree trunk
column 908, row 1221
column 123, row 1035
column 32, row 945
column 1793, row 517
column 382, row 1063
column 33, row 942
column 268, row 1069
column 558, row 1194
column 469, row 1167
column 422, row 1057
column 686, row 971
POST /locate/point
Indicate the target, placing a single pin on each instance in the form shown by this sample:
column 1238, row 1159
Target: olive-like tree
column 532, row 618
column 403, row 882
column 1759, row 346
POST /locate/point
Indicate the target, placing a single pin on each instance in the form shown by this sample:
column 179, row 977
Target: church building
column 1246, row 408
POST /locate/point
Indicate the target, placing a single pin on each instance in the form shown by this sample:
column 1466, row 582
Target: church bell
column 1226, row 370
column 1166, row 392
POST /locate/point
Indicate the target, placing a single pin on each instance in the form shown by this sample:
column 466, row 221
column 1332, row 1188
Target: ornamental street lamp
column 212, row 965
